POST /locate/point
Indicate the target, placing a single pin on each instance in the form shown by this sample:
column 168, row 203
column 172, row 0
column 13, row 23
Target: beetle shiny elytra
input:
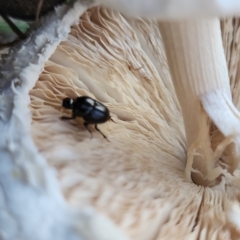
column 92, row 111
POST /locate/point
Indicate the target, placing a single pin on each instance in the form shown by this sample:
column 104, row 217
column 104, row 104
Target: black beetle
column 92, row 111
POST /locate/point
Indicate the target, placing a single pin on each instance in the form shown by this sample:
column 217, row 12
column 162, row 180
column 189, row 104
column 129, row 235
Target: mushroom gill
column 138, row 178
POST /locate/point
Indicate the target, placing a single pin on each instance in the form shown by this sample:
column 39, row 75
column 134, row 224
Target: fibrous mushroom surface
column 138, row 178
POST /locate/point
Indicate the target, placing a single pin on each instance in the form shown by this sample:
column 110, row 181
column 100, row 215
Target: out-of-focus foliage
column 6, row 33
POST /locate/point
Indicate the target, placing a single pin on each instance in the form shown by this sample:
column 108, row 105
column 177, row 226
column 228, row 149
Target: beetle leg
column 110, row 119
column 101, row 132
column 67, row 118
column 86, row 126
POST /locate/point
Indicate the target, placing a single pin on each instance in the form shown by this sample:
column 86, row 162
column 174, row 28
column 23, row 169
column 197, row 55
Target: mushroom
column 163, row 137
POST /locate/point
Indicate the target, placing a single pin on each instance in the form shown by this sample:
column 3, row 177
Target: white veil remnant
column 31, row 203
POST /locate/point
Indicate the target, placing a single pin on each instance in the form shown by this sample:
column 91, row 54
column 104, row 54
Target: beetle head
column 67, row 103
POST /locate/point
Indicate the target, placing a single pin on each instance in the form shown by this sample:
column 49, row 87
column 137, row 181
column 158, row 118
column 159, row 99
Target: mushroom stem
column 198, row 67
